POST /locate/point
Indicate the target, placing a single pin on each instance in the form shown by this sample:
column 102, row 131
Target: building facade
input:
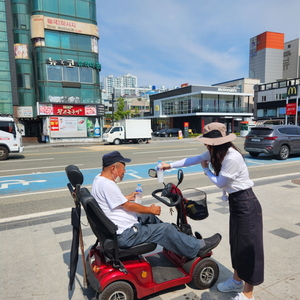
column 291, row 57
column 55, row 48
column 199, row 105
column 277, row 100
column 266, row 53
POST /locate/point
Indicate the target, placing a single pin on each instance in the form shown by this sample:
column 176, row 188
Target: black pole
column 113, row 106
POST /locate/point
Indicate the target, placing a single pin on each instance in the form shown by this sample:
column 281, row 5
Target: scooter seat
column 106, row 231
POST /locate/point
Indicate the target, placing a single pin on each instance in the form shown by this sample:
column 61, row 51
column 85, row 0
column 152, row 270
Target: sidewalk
column 35, row 251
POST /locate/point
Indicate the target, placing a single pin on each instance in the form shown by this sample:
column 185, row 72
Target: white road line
column 47, row 213
column 25, row 160
column 36, row 168
column 147, row 152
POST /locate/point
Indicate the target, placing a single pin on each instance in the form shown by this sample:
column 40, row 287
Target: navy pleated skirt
column 246, row 236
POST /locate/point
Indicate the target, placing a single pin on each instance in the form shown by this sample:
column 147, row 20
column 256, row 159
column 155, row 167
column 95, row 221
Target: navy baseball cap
column 113, row 157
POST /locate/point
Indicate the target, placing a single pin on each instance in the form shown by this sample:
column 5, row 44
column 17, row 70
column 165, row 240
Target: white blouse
column 234, row 175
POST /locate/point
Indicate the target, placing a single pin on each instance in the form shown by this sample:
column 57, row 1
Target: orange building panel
column 273, row 40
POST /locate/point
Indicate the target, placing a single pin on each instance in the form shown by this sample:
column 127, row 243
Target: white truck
column 10, row 138
column 129, row 130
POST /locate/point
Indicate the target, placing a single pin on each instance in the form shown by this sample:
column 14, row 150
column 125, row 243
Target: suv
column 278, row 140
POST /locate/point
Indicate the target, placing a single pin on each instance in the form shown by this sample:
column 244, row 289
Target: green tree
column 120, row 112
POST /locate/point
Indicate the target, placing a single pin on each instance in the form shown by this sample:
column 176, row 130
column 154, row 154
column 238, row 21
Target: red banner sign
column 67, row 110
column 290, row 109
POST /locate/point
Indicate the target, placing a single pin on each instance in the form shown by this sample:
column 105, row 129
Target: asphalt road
column 34, row 181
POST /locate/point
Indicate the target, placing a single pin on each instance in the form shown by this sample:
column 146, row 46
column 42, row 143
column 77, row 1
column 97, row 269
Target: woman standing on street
column 245, row 224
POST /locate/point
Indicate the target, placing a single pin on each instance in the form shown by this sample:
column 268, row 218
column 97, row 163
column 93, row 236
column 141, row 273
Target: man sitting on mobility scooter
column 137, row 223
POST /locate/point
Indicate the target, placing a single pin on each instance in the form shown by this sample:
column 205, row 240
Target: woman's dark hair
column 217, row 154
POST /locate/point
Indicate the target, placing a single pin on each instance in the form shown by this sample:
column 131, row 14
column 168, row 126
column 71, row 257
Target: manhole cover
column 296, row 181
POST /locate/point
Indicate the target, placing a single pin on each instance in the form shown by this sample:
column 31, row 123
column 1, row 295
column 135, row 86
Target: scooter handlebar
column 154, row 194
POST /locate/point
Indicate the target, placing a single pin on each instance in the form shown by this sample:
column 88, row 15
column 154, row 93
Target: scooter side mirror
column 152, row 173
column 179, row 176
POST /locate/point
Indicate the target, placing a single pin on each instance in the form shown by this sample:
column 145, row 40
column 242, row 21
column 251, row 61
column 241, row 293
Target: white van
column 10, row 138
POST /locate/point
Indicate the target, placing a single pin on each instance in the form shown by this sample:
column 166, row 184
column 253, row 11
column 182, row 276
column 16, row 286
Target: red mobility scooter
column 140, row 271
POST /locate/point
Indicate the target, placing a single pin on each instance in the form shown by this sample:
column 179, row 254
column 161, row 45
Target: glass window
column 67, row 7
column 3, row 47
column 51, row 5
column 6, row 108
column 7, row 127
column 84, row 43
column 3, row 26
column 5, row 86
column 4, row 65
column 291, row 131
column 73, row 41
column 37, row 5
column 93, row 11
column 3, row 36
column 86, row 75
column 2, row 6
column 70, row 74
column 52, row 39
column 65, row 40
column 82, row 9
column 4, row 75
column 54, row 73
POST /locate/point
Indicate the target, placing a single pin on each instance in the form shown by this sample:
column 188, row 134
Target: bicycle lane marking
column 58, row 180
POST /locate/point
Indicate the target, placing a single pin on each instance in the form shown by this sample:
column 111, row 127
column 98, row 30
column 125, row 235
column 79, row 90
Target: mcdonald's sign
column 292, row 90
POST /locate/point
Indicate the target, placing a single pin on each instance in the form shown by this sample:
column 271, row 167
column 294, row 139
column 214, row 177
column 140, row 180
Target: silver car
column 277, row 140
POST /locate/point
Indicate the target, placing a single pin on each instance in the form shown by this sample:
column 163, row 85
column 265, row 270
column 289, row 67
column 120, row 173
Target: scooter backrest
column 102, row 226
column 74, row 175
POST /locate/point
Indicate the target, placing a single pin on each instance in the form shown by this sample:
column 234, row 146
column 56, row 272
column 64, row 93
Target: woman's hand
column 204, row 164
column 165, row 166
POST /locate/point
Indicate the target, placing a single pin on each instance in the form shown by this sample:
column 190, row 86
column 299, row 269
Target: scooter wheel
column 205, row 274
column 118, row 290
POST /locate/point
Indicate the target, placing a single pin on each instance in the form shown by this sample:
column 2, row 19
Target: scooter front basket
column 195, row 205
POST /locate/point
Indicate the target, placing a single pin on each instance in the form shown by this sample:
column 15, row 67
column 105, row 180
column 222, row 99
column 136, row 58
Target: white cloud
column 170, row 42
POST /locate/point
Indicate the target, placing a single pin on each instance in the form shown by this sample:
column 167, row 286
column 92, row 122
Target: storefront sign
column 66, row 110
column 21, row 51
column 24, row 112
column 290, row 109
column 40, row 22
column 71, row 63
column 68, row 127
column 100, row 109
column 292, row 90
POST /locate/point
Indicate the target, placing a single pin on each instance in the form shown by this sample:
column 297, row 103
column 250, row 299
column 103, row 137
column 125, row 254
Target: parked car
column 277, row 140
column 162, row 132
column 171, row 132
column 158, row 132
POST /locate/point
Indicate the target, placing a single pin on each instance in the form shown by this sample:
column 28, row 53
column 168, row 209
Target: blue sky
column 170, row 42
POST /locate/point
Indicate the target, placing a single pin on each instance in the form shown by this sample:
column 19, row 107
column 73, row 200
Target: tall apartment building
column 266, row 52
column 50, row 56
column 126, row 85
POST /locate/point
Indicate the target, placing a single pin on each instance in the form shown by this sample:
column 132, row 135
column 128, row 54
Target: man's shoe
column 210, row 243
column 230, row 286
column 241, row 296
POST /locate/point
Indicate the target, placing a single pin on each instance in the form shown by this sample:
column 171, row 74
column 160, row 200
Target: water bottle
column 138, row 196
column 160, row 173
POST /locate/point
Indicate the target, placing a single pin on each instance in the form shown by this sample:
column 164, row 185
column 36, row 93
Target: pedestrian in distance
column 230, row 173
column 137, row 223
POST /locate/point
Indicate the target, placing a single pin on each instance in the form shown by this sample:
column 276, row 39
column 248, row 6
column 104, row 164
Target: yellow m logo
column 292, row 91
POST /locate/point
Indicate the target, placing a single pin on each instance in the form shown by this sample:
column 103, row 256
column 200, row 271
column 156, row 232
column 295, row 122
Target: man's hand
column 141, row 209
column 131, row 197
column 155, row 210
column 165, row 166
